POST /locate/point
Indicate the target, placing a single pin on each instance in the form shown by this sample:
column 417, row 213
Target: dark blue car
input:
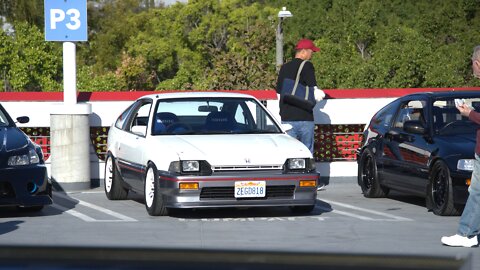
column 23, row 176
column 420, row 144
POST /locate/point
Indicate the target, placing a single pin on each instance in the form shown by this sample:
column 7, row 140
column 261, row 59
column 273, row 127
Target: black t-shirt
column 307, row 77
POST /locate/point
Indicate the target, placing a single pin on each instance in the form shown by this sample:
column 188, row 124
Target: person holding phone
column 469, row 225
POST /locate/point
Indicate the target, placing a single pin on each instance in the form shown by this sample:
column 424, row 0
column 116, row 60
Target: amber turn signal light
column 308, row 183
column 189, row 185
column 468, row 181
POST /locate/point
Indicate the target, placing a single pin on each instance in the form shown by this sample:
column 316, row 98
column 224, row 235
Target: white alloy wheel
column 108, row 174
column 150, row 187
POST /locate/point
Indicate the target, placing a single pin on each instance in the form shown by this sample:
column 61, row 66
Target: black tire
column 368, row 176
column 112, row 181
column 440, row 191
column 154, row 200
column 303, row 209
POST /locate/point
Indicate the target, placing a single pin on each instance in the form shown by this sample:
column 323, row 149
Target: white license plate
column 250, row 189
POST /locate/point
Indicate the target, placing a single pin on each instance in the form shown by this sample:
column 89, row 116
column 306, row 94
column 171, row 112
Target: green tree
column 112, row 29
column 23, row 11
column 31, row 63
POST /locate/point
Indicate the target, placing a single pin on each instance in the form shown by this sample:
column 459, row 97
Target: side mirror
column 286, row 127
column 139, row 130
column 414, row 126
column 23, row 119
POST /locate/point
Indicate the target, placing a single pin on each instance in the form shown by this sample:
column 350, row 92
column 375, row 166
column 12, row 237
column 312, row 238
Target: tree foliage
column 230, row 44
column 27, row 62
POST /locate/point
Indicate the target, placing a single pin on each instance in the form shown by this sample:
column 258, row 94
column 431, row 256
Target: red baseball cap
column 306, row 44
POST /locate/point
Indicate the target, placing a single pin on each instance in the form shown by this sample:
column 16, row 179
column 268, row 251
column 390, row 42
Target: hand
column 318, row 93
column 464, row 109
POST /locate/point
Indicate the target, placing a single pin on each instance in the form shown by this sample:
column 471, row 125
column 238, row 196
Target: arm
column 309, row 74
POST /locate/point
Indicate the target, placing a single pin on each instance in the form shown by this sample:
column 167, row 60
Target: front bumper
column 25, row 186
column 218, row 190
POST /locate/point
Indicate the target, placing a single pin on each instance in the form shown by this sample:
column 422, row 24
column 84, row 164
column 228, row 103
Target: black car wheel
column 154, row 200
column 440, row 191
column 112, row 181
column 368, row 178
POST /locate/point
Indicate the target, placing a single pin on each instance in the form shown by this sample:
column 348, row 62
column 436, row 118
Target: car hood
column 245, row 149
column 11, row 138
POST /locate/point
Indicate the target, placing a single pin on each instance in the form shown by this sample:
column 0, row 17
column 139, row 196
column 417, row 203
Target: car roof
column 202, row 94
column 444, row 94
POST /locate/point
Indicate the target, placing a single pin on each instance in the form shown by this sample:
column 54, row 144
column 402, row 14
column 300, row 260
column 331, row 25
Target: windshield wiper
column 216, row 132
column 257, row 132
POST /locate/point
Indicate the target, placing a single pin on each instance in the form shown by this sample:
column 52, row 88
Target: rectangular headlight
column 190, row 166
column 465, row 164
column 21, row 160
column 296, row 163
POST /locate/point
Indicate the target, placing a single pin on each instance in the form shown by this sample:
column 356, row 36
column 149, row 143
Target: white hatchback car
column 207, row 149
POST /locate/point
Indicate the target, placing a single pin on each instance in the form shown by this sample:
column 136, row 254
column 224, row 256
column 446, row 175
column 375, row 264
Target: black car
column 422, row 145
column 24, row 180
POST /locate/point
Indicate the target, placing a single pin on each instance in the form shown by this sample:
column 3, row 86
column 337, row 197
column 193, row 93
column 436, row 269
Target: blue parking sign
column 66, row 20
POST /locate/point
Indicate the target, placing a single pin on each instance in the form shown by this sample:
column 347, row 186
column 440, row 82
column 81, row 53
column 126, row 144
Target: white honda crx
column 207, row 149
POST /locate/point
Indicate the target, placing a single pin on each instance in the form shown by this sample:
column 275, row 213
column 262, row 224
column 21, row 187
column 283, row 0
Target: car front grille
column 6, row 190
column 221, row 193
column 246, row 168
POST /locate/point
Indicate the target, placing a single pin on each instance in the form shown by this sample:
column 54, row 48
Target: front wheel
column 440, row 191
column 112, row 182
column 368, row 177
column 154, row 200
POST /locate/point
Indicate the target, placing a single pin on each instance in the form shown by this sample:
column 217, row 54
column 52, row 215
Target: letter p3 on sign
column 66, row 20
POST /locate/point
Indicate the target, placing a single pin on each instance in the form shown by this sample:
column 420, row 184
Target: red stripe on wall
column 259, row 94
column 387, row 92
column 114, row 96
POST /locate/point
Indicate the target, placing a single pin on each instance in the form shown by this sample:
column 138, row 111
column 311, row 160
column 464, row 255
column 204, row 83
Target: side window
column 121, row 119
column 410, row 110
column 135, row 115
column 383, row 119
column 138, row 119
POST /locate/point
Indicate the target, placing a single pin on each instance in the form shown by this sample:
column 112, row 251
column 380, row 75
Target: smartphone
column 459, row 102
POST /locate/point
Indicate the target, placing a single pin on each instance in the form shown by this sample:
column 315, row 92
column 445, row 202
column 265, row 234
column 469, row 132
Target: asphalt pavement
column 343, row 222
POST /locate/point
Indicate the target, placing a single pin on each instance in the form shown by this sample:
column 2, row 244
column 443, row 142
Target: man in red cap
column 294, row 111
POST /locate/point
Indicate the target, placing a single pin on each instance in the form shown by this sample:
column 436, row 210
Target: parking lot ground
column 343, row 222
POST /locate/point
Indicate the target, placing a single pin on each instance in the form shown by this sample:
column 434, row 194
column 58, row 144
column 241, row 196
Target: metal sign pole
column 66, row 21
column 69, row 74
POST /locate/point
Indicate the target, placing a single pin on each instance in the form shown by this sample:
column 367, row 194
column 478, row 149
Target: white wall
column 104, row 113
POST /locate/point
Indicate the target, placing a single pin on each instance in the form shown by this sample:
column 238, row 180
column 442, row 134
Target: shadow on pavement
column 9, row 226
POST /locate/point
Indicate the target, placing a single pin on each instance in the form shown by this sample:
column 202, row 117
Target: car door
column 406, row 154
column 133, row 142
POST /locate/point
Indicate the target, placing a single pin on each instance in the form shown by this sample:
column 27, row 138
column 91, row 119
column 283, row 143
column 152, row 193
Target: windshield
column 447, row 120
column 211, row 116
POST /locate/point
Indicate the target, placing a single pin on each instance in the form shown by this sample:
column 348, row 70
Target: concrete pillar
column 70, row 146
